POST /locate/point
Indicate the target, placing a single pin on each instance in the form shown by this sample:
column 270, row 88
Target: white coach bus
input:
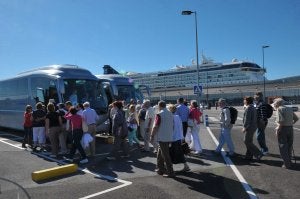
column 118, row 87
column 60, row 83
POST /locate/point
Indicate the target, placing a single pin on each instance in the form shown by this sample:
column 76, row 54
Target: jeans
column 261, row 139
column 225, row 137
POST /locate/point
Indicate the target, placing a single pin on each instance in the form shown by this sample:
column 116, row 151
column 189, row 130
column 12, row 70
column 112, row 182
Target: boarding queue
column 171, row 131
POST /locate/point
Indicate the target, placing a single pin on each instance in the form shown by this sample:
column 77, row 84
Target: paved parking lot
column 134, row 177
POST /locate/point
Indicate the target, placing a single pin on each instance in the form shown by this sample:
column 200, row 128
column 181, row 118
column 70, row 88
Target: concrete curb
column 54, row 172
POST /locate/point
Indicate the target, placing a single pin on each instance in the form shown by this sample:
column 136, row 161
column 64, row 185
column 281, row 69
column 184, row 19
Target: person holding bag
column 77, row 133
column 176, row 150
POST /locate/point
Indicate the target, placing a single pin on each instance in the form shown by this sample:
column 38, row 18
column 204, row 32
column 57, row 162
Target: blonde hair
column 51, row 107
column 132, row 107
column 172, row 108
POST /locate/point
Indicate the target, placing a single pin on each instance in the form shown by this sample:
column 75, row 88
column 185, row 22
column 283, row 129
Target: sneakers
column 68, row 159
column 84, row 161
column 286, row 167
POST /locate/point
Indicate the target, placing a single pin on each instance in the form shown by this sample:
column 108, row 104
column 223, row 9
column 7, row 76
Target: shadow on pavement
column 213, row 185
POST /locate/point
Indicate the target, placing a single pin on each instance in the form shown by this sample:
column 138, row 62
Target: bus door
column 108, row 91
column 40, row 95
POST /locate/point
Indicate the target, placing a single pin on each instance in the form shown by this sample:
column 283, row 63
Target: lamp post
column 188, row 12
column 263, row 59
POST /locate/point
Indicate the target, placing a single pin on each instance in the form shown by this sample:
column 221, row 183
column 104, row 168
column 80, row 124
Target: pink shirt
column 76, row 120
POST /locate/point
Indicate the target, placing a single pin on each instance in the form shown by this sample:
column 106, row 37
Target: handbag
column 85, row 140
column 191, row 122
column 130, row 128
column 176, row 152
column 185, row 148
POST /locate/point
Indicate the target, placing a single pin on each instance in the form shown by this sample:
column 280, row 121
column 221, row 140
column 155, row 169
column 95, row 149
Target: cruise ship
column 232, row 81
column 211, row 74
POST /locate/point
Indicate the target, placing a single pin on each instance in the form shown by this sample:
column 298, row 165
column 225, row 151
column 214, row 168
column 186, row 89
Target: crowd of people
column 255, row 120
column 62, row 126
column 164, row 129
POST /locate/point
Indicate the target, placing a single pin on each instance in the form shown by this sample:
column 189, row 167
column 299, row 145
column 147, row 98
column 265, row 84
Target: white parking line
column 125, row 183
column 13, row 145
column 228, row 161
column 109, row 178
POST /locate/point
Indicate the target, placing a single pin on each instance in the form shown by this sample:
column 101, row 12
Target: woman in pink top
column 195, row 114
column 76, row 130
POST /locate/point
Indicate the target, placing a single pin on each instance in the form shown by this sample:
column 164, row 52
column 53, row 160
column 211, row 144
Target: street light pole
column 263, row 59
column 188, row 12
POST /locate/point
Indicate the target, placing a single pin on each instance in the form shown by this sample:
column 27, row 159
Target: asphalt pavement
column 211, row 176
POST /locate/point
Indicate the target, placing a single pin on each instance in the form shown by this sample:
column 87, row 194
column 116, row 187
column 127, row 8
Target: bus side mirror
column 61, row 87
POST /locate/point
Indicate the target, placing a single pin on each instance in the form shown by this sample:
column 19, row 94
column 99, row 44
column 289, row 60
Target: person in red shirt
column 195, row 115
column 77, row 133
column 27, row 127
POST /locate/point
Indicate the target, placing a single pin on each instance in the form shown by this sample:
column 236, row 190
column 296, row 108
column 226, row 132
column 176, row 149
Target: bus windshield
column 128, row 92
column 80, row 91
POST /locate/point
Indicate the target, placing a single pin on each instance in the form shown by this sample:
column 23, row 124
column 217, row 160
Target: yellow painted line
column 54, row 172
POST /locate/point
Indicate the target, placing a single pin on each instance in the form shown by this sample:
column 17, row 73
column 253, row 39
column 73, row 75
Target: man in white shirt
column 149, row 121
column 90, row 116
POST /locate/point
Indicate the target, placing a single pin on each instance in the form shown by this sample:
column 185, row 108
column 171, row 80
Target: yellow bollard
column 54, row 172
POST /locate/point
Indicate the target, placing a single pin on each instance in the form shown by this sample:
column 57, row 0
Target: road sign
column 197, row 89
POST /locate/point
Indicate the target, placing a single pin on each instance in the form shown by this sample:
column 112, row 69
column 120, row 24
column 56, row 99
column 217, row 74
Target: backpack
column 269, row 110
column 233, row 114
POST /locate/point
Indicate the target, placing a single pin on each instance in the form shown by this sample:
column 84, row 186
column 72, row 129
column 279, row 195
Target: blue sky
column 147, row 35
